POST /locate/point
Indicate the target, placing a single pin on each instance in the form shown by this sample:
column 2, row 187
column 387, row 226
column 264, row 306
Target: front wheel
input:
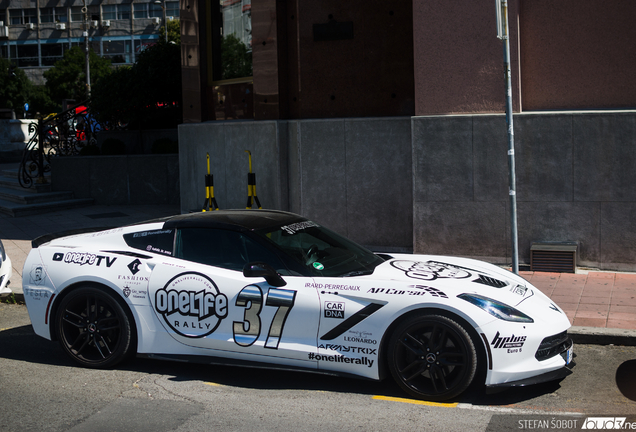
column 432, row 357
column 93, row 328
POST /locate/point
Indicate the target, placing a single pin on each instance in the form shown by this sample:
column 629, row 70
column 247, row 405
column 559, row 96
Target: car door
column 216, row 307
column 349, row 335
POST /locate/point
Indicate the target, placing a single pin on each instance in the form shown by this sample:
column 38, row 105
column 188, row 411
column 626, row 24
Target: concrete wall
column 326, row 170
column 436, row 184
column 143, row 179
column 575, row 177
column 138, row 141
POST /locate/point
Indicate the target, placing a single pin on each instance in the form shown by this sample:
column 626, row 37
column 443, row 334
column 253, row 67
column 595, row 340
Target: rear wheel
column 93, row 328
column 432, row 357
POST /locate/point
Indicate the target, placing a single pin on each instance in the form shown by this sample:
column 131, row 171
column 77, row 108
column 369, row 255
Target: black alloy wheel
column 93, row 328
column 432, row 357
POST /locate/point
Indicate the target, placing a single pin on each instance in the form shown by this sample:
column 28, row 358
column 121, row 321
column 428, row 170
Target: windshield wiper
column 357, row 273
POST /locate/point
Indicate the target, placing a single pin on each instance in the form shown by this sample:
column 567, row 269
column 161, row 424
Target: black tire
column 93, row 328
column 432, row 357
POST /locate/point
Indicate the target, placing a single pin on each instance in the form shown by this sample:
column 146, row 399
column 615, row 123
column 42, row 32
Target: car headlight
column 496, row 308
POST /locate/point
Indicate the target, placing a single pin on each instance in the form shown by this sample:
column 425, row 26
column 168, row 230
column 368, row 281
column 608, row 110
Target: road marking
column 416, row 402
column 213, row 384
column 504, row 410
column 508, row 410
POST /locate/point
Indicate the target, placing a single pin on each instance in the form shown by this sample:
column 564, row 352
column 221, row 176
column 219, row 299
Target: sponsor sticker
column 191, row 305
column 512, row 343
column 334, row 309
column 37, row 276
column 83, row 258
column 342, row 359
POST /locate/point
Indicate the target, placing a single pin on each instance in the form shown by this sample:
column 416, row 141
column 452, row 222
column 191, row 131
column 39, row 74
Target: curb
column 602, row 336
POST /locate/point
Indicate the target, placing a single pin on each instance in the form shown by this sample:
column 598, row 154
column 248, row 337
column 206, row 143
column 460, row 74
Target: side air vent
column 486, row 280
column 553, row 257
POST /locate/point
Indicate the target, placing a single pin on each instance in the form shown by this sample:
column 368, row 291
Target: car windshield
column 322, row 251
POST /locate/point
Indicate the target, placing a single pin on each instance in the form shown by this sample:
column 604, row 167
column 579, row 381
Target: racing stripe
column 351, row 321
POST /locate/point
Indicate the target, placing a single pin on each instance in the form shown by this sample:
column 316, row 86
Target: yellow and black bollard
column 251, row 186
column 210, row 202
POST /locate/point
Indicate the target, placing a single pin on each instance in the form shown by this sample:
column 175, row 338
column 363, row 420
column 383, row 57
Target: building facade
column 35, row 34
column 384, row 120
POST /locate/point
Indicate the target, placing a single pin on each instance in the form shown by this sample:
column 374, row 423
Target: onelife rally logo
column 191, row 305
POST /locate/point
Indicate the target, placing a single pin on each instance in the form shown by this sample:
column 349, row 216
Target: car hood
column 454, row 276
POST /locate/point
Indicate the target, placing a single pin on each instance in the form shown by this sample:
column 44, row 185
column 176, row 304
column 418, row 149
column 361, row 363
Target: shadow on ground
column 22, row 344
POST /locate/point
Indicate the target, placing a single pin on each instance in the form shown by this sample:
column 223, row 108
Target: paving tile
column 621, row 324
column 621, row 316
column 590, row 315
column 624, row 309
column 597, row 291
column 590, row 322
column 558, row 299
column 567, row 307
column 601, row 275
column 595, row 300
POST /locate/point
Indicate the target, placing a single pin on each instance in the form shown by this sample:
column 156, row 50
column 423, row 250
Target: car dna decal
column 191, row 305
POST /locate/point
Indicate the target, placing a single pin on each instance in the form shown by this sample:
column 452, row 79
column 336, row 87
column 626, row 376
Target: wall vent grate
column 553, row 257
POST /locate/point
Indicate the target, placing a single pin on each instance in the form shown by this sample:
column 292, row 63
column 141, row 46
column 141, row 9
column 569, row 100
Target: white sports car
column 272, row 289
column 6, row 270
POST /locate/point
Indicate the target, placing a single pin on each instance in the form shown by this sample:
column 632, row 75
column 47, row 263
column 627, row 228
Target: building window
column 117, row 51
column 52, row 52
column 140, row 10
column 232, row 54
column 46, row 15
column 155, row 10
column 172, row 9
column 123, row 12
column 76, row 14
column 22, row 16
column 61, row 14
column 25, row 55
column 109, row 12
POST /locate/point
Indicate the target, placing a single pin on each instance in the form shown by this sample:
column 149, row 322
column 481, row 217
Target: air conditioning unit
column 105, row 23
column 4, row 30
column 94, row 24
column 156, row 20
column 60, row 26
column 29, row 26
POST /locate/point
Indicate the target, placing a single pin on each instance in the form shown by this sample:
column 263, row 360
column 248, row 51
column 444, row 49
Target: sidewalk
column 600, row 305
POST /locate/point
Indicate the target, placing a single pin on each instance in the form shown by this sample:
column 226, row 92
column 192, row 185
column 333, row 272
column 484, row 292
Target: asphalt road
column 42, row 390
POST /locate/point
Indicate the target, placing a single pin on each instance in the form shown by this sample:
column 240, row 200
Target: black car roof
column 234, row 219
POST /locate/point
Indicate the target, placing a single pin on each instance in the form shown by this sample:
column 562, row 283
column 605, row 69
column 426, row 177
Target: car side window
column 156, row 241
column 223, row 248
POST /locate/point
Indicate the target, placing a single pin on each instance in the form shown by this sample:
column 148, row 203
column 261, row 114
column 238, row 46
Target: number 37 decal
column 247, row 332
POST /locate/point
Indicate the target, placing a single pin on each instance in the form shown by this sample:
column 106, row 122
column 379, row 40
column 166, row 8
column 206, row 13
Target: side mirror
column 261, row 269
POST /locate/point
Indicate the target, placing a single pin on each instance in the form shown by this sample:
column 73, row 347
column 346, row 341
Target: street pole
column 505, row 36
column 86, row 50
column 162, row 3
column 165, row 23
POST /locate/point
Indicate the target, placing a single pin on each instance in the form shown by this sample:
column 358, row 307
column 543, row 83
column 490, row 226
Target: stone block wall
column 436, row 184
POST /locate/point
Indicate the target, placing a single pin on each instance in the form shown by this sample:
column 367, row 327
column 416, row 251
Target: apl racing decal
column 191, row 305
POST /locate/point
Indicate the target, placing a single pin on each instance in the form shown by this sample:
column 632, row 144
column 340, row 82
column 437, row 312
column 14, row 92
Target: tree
column 15, row 87
column 67, row 78
column 148, row 94
column 174, row 32
column 236, row 60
